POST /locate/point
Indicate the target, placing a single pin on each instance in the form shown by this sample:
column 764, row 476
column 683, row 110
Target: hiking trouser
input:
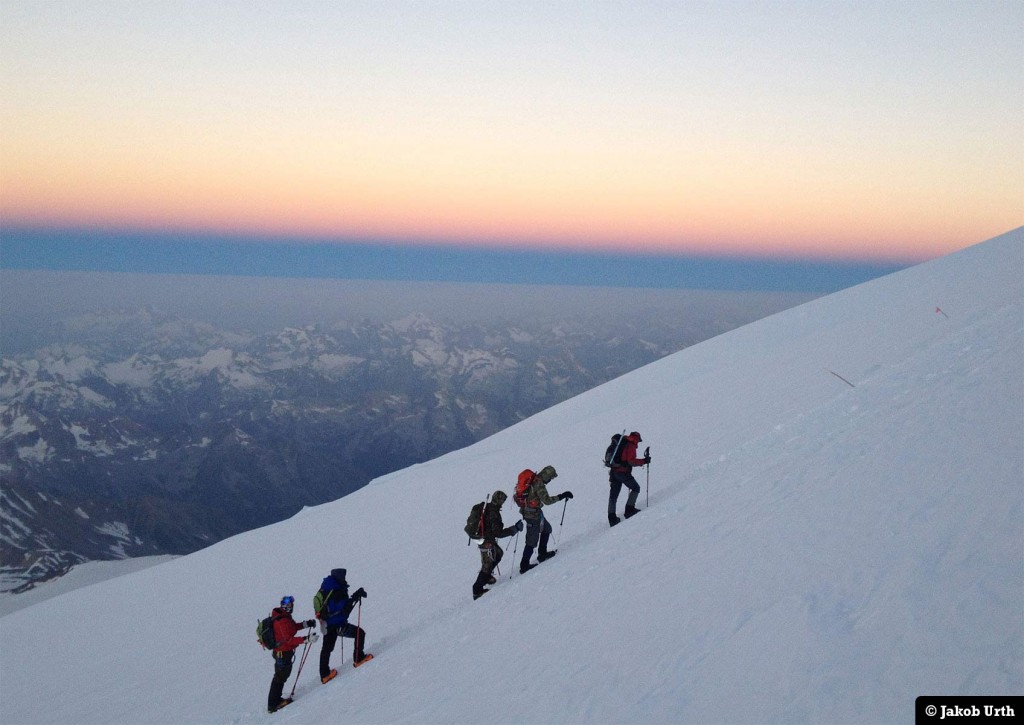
column 490, row 557
column 282, row 671
column 331, row 637
column 618, row 479
column 537, row 530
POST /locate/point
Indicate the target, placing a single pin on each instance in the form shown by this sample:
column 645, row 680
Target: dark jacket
column 494, row 527
column 336, row 604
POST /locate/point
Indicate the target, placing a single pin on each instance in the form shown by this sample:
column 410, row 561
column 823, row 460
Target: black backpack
column 265, row 631
column 475, row 521
column 611, row 453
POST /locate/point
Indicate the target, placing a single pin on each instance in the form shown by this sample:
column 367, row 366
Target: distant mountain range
column 142, row 433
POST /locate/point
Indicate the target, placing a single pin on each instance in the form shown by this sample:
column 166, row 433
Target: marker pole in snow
column 841, row 378
column 305, row 653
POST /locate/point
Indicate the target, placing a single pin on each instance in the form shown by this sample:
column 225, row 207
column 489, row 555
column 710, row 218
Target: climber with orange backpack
column 532, row 496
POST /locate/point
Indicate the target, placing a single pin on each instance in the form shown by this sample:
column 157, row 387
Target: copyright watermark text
column 968, row 709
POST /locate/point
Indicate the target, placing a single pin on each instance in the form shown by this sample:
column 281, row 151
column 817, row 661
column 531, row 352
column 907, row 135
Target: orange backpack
column 522, row 487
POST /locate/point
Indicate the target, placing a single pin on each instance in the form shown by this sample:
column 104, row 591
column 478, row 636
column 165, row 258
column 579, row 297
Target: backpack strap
column 482, row 528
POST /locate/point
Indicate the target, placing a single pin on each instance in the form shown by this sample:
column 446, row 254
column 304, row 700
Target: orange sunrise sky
column 887, row 130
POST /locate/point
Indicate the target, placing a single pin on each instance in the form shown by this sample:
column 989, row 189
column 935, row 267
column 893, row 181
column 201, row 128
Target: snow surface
column 815, row 550
column 82, row 575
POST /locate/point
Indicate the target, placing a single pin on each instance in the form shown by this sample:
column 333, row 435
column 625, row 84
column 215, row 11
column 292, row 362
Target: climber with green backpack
column 333, row 605
column 485, row 524
column 279, row 632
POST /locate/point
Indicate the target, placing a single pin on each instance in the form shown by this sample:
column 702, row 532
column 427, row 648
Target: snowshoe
column 631, row 512
column 545, row 555
column 613, row 519
column 477, row 595
column 523, row 568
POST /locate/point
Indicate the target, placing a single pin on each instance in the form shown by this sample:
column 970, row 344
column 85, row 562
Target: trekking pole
column 515, row 548
column 359, row 627
column 305, row 653
column 565, row 502
column 647, row 454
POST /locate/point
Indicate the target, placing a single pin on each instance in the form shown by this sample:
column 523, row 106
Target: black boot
column 613, row 519
column 478, row 585
column 281, row 705
column 631, row 512
column 545, row 555
column 524, row 564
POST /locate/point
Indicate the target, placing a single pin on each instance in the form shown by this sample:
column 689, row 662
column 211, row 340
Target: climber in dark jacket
column 332, row 605
column 490, row 553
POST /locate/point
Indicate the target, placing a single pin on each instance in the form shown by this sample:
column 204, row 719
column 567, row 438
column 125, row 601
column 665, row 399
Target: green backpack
column 265, row 631
column 319, row 604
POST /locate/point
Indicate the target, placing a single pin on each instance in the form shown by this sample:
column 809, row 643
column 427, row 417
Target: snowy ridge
column 814, row 551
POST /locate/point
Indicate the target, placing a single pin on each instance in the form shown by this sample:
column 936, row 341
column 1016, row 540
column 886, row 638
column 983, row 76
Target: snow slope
column 814, row 551
column 80, row 575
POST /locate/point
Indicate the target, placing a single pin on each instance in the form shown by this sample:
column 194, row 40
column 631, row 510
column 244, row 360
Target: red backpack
column 522, row 487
